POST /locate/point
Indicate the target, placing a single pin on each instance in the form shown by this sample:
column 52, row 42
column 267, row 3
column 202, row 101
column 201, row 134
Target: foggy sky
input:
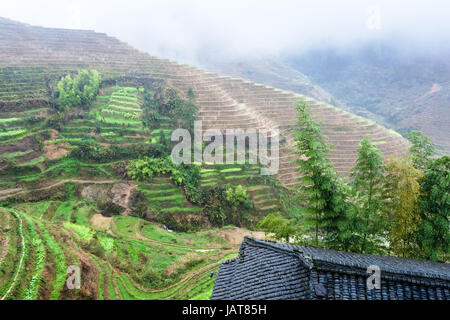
column 246, row 28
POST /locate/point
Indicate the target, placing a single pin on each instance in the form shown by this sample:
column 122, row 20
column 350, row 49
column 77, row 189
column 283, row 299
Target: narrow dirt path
column 60, row 182
column 9, row 191
column 4, row 240
column 114, row 281
column 11, row 287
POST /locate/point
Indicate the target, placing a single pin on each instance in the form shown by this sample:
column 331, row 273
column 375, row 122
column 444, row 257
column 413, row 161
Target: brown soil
column 53, row 184
column 48, row 276
column 17, row 146
column 89, row 280
column 121, row 194
column 4, row 239
column 89, row 271
column 48, row 215
column 9, row 191
column 89, row 276
column 53, row 134
column 21, row 261
column 114, row 279
column 57, row 150
column 235, row 236
column 105, row 281
column 101, row 222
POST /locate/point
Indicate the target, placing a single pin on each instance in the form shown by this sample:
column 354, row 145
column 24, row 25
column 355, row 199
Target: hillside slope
column 270, row 71
column 66, row 195
column 119, row 258
column 401, row 89
column 32, row 57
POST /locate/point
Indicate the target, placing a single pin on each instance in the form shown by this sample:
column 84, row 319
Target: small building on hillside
column 269, row 270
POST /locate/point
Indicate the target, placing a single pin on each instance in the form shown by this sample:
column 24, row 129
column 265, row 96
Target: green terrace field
column 55, row 209
column 24, row 84
column 261, row 191
column 120, row 258
column 123, row 108
column 113, row 119
column 164, row 197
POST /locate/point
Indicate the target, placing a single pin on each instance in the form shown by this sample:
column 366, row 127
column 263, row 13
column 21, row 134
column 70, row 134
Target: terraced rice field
column 164, row 197
column 114, row 118
column 124, row 257
column 262, row 195
column 182, row 260
column 123, row 108
column 226, row 102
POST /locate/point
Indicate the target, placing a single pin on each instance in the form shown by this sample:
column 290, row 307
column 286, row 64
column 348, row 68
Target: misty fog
column 191, row 30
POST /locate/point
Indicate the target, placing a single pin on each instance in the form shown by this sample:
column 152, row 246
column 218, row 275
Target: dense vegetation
column 167, row 105
column 400, row 208
column 86, row 179
column 110, row 143
column 98, row 189
column 77, row 91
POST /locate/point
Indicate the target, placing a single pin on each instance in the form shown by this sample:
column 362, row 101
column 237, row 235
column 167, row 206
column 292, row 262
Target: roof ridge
column 310, row 258
column 276, row 246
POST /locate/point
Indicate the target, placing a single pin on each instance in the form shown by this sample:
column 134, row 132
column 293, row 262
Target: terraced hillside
column 225, row 102
column 119, row 258
column 67, row 196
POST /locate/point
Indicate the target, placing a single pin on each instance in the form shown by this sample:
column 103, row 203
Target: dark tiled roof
column 269, row 270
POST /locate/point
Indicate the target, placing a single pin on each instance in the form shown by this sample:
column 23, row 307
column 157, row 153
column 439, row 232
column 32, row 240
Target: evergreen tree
column 421, row 150
column 320, row 190
column 367, row 186
column 435, row 210
column 191, row 95
column 402, row 192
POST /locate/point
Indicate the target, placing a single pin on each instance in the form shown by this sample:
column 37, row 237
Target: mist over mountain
column 186, row 29
column 397, row 87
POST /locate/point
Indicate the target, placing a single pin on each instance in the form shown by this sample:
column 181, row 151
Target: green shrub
column 80, row 90
column 107, row 243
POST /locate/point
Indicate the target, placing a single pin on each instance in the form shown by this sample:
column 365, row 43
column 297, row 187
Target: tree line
column 399, row 207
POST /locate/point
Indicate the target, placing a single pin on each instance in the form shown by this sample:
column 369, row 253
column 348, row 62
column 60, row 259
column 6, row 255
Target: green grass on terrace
column 9, row 120
column 122, row 108
column 15, row 154
column 12, row 133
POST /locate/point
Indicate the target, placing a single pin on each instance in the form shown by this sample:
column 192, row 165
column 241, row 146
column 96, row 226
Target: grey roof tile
column 270, row 270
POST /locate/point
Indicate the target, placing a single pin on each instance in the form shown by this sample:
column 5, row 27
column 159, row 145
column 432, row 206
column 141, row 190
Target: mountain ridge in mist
column 400, row 89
